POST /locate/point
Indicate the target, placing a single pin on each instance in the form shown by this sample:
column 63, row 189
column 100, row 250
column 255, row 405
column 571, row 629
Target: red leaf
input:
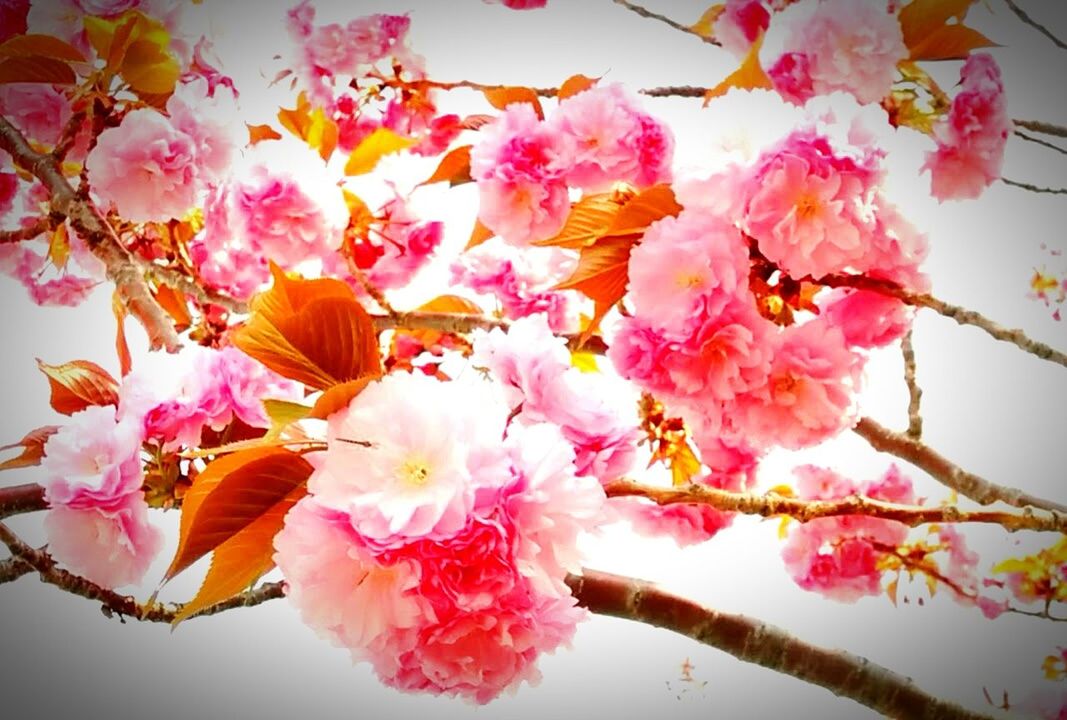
column 32, row 448
column 79, row 384
column 575, row 84
column 602, row 273
column 501, row 97
column 121, row 347
column 950, row 42
column 920, row 18
column 36, row 69
column 455, row 167
column 46, row 46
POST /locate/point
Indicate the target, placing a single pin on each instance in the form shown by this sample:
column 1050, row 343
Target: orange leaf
column 297, row 119
column 705, row 26
column 337, row 397
column 36, row 69
column 173, row 301
column 259, row 133
column 313, row 331
column 373, row 148
column 602, row 273
column 589, row 219
column 501, row 97
column 33, row 45
column 229, row 495
column 322, row 134
column 920, row 18
column 684, row 464
column 648, row 206
column 450, row 304
column 574, row 85
column 891, row 591
column 479, row 235
column 950, row 42
column 32, row 448
column 455, row 167
column 79, row 384
column 749, row 76
column 243, row 558
column 118, row 308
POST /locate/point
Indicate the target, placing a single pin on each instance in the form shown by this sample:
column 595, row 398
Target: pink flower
column 972, row 138
column 519, row 4
column 391, row 257
column 854, row 47
column 817, row 483
column 525, row 360
column 411, row 477
column 639, row 352
column 613, row 140
column 520, row 165
column 867, row 319
column 676, row 294
column 146, row 168
column 337, row 584
column 111, row 546
column 9, row 186
column 897, row 249
column 809, row 394
column 208, row 121
column 810, row 207
column 741, row 22
column 39, row 111
column 93, row 461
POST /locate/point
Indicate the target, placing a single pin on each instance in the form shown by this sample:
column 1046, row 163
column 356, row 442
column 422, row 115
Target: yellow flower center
column 688, row 280
column 414, row 471
column 807, row 207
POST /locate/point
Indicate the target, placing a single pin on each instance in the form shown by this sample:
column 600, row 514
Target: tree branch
column 1042, row 127
column 751, row 640
column 961, row 315
column 19, row 499
column 946, row 472
column 122, row 268
column 1034, row 24
column 113, row 603
column 13, row 568
column 1034, row 188
column 807, row 510
column 38, row 227
column 915, row 393
column 646, row 13
column 1039, row 141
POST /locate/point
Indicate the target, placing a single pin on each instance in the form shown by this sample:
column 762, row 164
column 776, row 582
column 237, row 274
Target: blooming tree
column 623, row 338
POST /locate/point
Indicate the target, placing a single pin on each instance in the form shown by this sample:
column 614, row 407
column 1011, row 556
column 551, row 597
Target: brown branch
column 915, row 393
column 19, row 499
column 1034, row 24
column 13, row 568
column 948, row 473
column 370, row 288
column 482, row 87
column 113, row 603
column 646, row 13
column 685, row 91
column 1039, row 141
column 1034, row 188
column 39, row 227
column 189, row 286
column 961, row 315
column 69, row 135
column 807, row 510
column 122, row 268
column 1042, row 127
column 751, row 640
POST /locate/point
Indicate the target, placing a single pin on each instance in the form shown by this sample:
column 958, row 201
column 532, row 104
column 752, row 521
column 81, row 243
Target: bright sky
column 988, row 406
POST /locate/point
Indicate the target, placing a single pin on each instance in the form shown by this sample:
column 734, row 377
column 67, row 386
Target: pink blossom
column 791, row 76
column 972, row 138
column 639, row 352
column 111, row 546
column 613, row 140
column 817, row 483
column 520, row 165
column 405, row 245
column 854, row 47
column 9, row 186
column 525, row 360
column 810, row 206
column 714, row 273
column 337, row 584
column 867, row 319
column 411, row 477
column 741, row 22
column 896, row 250
column 64, row 291
column 208, row 121
column 809, row 395
column 93, row 461
column 146, row 167
column 39, row 111
column 519, row 4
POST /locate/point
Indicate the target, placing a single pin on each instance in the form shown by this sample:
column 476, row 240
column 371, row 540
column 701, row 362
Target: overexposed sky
column 993, row 409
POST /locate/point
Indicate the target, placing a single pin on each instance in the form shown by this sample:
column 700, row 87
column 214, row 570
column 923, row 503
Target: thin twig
column 1034, row 188
column 1039, row 141
column 646, row 13
column 685, row 91
column 808, row 510
column 482, row 87
column 946, row 472
column 1034, row 24
column 114, row 603
column 961, row 315
column 754, row 641
column 1045, row 128
column 915, row 393
column 120, row 265
column 38, row 227
column 370, row 288
column 69, row 136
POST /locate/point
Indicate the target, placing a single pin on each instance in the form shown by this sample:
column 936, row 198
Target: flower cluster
column 524, row 166
column 433, row 550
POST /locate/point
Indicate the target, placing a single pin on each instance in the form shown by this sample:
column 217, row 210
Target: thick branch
column 646, row 13
column 113, row 603
column 807, row 510
column 122, row 268
column 915, row 393
column 1034, row 188
column 1042, row 127
column 13, row 568
column 19, row 499
column 946, row 472
column 961, row 315
column 750, row 640
column 1034, row 24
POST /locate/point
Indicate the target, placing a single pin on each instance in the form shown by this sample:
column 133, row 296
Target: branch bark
column 646, row 13
column 19, row 499
column 915, row 393
column 122, row 268
column 1044, row 128
column 1035, row 24
column 807, row 510
column 1039, row 141
column 29, row 232
column 751, row 640
column 948, row 473
column 1034, row 188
